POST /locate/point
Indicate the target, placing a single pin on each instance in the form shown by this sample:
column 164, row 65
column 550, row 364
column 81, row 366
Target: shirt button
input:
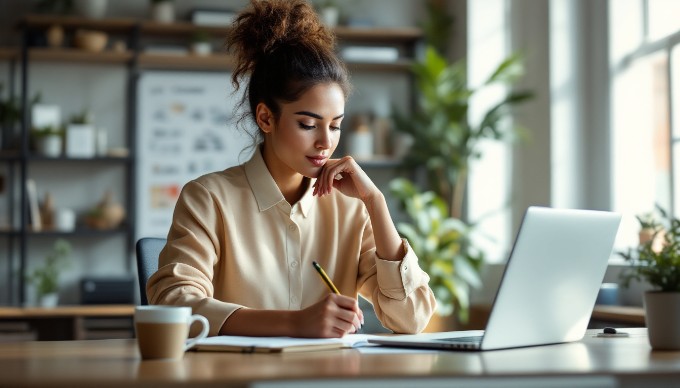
column 291, row 227
column 294, row 264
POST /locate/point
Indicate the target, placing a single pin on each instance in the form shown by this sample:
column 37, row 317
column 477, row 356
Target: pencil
column 325, row 278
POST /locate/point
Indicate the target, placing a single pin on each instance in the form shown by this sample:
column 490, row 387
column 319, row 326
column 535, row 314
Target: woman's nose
column 324, row 140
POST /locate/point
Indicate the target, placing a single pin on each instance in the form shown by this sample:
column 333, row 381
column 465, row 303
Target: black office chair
column 148, row 249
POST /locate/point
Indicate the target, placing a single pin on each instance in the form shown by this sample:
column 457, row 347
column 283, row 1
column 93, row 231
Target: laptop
column 549, row 286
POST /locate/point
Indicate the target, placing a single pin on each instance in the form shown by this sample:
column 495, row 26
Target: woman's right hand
column 332, row 317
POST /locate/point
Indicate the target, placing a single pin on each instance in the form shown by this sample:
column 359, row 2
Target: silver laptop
column 549, row 286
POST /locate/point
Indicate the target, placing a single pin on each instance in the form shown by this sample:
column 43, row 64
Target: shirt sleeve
column 185, row 265
column 398, row 289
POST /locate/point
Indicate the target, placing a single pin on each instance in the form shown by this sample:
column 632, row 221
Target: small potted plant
column 45, row 278
column 48, row 140
column 658, row 264
column 442, row 246
column 200, row 43
column 329, row 13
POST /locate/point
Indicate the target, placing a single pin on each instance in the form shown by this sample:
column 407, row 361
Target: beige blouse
column 235, row 242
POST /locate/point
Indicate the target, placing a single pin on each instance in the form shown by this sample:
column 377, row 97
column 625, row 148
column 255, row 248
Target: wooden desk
column 63, row 322
column 591, row 362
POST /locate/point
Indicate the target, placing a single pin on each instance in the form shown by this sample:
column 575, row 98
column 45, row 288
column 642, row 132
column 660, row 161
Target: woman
column 242, row 240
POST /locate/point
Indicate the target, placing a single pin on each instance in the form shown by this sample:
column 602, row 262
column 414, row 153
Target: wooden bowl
column 92, row 41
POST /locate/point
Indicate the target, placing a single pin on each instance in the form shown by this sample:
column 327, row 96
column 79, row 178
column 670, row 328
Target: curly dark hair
column 284, row 50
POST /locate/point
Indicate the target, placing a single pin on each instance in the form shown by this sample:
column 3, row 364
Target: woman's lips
column 317, row 161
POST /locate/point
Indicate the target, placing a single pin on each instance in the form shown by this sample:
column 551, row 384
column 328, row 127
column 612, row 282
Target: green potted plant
column 444, row 140
column 200, row 43
column 45, row 278
column 48, row 140
column 443, row 144
column 329, row 12
column 658, row 264
column 442, row 245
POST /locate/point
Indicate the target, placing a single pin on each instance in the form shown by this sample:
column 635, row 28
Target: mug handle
column 204, row 332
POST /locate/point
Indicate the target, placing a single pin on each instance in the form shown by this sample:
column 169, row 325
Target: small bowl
column 92, row 41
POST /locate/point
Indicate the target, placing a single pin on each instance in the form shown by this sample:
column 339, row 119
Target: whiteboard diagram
column 186, row 127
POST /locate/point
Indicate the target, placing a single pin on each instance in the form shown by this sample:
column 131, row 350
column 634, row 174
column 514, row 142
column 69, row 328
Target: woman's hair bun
column 269, row 25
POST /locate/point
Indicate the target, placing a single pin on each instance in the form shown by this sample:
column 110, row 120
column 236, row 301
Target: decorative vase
column 163, row 11
column 662, row 316
column 55, row 36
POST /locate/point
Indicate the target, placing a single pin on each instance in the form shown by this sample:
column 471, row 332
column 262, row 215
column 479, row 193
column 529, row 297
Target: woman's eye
column 333, row 128
column 303, row 126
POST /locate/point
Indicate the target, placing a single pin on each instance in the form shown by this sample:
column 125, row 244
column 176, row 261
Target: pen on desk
column 325, row 278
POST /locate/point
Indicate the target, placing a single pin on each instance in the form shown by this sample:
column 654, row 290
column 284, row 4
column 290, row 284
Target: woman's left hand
column 351, row 180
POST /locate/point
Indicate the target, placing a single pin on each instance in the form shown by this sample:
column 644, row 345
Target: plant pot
column 49, row 300
column 662, row 315
column 201, row 48
column 49, row 146
column 330, row 16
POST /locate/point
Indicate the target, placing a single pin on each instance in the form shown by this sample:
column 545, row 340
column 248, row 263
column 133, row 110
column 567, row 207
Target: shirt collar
column 265, row 190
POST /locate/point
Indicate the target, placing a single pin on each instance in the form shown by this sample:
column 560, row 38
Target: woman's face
column 307, row 131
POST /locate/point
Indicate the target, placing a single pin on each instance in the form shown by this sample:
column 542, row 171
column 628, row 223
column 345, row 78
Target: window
column 645, row 71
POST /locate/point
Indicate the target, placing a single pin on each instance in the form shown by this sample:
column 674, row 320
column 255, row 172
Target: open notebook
column 230, row 343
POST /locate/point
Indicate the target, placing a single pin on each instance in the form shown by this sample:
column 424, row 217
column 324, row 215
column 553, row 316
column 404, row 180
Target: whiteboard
column 186, row 127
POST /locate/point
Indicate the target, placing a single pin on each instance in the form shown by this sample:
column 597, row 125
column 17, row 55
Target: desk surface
column 67, row 311
column 592, row 361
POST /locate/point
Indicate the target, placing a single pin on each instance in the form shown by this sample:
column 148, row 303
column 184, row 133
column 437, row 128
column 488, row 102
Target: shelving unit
column 134, row 32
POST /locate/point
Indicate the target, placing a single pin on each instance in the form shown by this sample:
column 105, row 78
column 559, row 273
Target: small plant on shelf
column 45, row 278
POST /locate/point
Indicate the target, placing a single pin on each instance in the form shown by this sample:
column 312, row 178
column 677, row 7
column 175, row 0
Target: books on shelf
column 369, row 54
column 241, row 344
column 33, row 207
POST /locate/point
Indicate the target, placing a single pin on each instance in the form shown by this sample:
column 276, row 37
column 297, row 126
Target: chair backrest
column 148, row 249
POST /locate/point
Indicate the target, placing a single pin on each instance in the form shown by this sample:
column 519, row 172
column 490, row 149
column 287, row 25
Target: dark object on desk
column 107, row 290
column 148, row 249
column 609, row 330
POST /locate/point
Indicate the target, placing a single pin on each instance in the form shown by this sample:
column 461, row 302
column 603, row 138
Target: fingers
column 351, row 313
column 337, row 315
column 335, row 168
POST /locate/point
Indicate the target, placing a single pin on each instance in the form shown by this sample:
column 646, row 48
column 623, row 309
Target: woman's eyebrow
column 316, row 116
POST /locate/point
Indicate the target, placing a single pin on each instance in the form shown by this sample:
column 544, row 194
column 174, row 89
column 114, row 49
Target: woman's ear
column 264, row 118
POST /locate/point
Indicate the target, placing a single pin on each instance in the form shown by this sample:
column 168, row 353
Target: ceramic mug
column 162, row 331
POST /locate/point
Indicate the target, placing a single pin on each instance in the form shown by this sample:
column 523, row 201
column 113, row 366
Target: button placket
column 294, row 271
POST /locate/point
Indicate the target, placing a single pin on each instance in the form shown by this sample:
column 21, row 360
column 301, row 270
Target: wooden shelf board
column 9, row 53
column 76, row 55
column 107, row 24
column 179, row 28
column 404, row 34
column 189, row 62
column 399, row 65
